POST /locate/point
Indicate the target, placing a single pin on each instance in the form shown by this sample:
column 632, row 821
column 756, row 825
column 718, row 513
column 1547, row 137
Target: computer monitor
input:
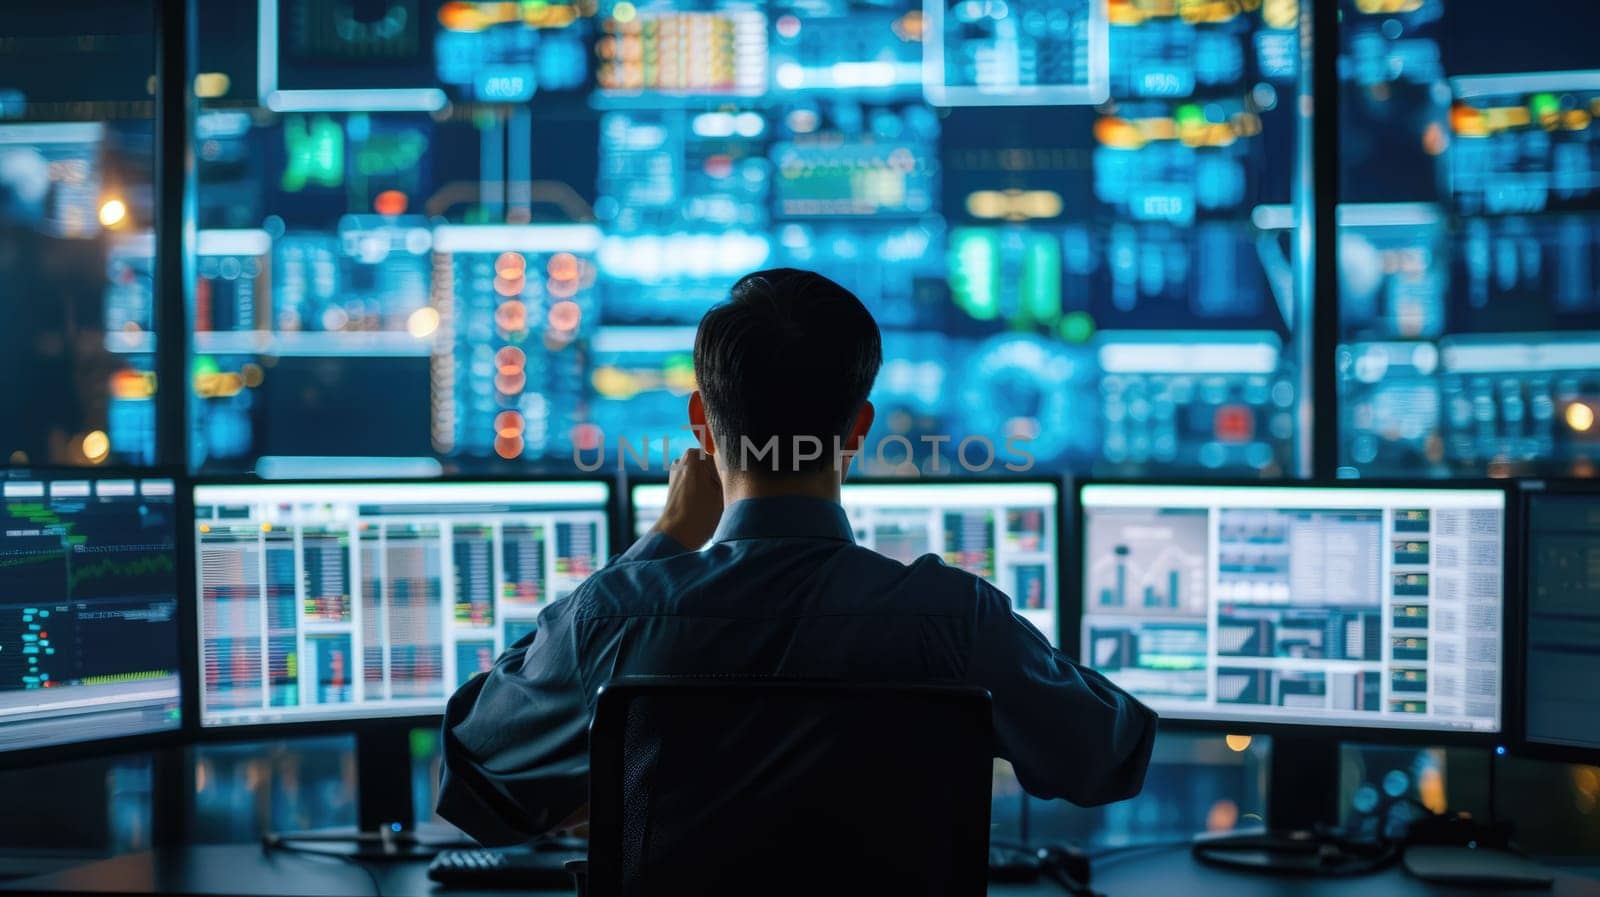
column 334, row 601
column 1562, row 629
column 1005, row 532
column 89, row 614
column 1341, row 606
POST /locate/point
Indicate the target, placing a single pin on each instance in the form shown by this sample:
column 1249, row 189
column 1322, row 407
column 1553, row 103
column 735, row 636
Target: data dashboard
column 331, row 601
column 89, row 632
column 1298, row 604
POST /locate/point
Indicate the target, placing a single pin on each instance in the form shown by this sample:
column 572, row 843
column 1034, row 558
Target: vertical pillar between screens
column 171, row 776
column 174, row 224
column 1317, row 199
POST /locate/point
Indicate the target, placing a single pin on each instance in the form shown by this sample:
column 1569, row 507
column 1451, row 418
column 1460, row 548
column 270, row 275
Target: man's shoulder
column 929, row 577
column 605, row 591
column 631, row 587
column 644, row 585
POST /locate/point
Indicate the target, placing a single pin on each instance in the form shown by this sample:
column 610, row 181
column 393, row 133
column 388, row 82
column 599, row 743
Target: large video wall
column 478, row 235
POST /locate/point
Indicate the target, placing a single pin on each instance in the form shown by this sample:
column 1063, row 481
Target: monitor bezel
column 1510, row 681
column 143, row 742
column 200, row 733
column 1522, row 744
column 1061, row 482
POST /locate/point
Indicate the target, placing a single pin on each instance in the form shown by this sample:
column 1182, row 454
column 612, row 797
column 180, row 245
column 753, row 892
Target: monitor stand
column 1303, row 818
column 1302, row 811
column 385, row 811
column 383, row 778
column 1303, row 784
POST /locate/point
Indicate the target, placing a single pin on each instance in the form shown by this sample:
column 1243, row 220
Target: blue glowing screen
column 469, row 235
column 1469, row 240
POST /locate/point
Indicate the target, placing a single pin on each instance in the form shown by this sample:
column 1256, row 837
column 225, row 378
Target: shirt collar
column 787, row 516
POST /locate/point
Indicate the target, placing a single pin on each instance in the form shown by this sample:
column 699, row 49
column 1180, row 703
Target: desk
column 248, row 871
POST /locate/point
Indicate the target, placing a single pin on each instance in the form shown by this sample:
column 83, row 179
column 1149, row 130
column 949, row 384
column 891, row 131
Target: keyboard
column 546, row 868
column 504, row 869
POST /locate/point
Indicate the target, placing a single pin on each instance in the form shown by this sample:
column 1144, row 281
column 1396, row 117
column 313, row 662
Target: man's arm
column 516, row 739
column 1067, row 730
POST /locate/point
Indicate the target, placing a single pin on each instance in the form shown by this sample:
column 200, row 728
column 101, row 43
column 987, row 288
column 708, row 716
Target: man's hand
column 694, row 501
column 574, row 826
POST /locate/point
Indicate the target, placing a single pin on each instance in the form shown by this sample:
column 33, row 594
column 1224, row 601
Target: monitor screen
column 1002, row 532
column 1073, row 221
column 326, row 601
column 1468, row 233
column 88, row 608
column 1304, row 605
column 1563, row 620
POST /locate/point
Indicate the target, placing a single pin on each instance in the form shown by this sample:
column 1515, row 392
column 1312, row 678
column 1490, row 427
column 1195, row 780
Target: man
column 784, row 369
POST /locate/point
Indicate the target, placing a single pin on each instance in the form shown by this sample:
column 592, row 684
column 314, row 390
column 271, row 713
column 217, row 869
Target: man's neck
column 739, row 486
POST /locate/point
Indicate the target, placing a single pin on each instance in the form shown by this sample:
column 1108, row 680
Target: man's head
column 788, row 360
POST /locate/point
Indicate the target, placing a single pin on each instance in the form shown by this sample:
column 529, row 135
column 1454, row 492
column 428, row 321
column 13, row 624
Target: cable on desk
column 347, row 859
column 1320, row 854
column 1119, row 850
column 1361, row 847
column 377, row 886
column 391, row 843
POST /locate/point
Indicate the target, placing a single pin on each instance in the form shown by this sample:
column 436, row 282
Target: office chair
column 777, row 787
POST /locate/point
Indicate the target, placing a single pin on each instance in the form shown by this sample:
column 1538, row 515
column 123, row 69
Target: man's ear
column 857, row 439
column 697, row 422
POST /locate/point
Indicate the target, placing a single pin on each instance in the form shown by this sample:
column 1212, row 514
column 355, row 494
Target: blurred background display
column 77, row 161
column 473, row 235
column 1469, row 239
column 497, row 223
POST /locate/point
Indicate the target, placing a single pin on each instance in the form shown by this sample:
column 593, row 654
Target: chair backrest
column 776, row 787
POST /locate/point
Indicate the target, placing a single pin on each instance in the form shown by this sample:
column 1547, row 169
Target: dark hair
column 790, row 354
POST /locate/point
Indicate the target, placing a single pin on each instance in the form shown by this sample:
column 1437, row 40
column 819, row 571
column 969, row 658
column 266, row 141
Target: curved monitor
column 1002, row 531
column 1303, row 605
column 333, row 601
column 89, row 625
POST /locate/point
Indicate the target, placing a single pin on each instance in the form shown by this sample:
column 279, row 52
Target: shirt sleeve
column 516, row 739
column 1068, row 732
